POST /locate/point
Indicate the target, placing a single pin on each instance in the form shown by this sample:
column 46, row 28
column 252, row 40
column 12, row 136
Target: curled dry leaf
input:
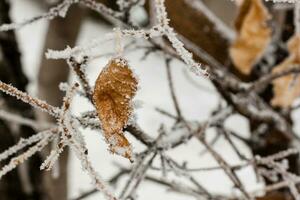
column 287, row 88
column 114, row 89
column 253, row 35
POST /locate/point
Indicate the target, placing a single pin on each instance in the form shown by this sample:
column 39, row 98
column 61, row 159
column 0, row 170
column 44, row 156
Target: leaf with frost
column 287, row 88
column 253, row 35
column 114, row 89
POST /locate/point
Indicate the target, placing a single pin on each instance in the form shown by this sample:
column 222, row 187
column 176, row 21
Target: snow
column 195, row 103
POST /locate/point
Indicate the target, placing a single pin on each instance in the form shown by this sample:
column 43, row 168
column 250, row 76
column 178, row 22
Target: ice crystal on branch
column 14, row 162
column 113, row 100
column 37, row 103
column 59, row 10
column 161, row 29
column 24, row 143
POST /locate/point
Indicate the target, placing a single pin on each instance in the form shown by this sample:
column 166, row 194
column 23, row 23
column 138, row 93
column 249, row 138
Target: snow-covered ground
column 195, row 103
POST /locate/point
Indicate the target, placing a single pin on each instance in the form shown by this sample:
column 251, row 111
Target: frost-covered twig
column 80, row 50
column 142, row 164
column 137, row 176
column 233, row 90
column 64, row 119
column 59, row 10
column 226, row 167
column 79, row 69
column 8, row 116
column 49, row 163
column 26, row 142
column 101, row 8
column 66, row 126
column 162, row 28
column 289, row 178
column 35, row 102
column 98, row 182
column 180, row 171
column 14, row 162
column 70, row 136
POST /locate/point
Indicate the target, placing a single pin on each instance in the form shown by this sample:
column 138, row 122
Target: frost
column 24, row 121
column 67, row 130
column 35, row 102
column 14, row 162
column 52, row 158
column 24, row 143
column 79, row 51
column 162, row 28
column 59, row 10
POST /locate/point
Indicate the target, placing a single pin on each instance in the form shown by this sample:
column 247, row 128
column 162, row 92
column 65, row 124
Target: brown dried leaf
column 114, row 89
column 287, row 88
column 253, row 35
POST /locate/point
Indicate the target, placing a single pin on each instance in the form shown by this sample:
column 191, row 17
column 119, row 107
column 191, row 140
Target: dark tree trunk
column 61, row 32
column 25, row 183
